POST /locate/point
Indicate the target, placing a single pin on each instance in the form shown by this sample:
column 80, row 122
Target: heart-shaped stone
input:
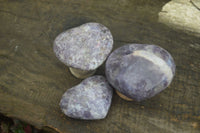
column 84, row 47
column 89, row 100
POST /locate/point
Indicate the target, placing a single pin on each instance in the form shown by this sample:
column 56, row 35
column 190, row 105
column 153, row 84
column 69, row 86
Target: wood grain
column 32, row 80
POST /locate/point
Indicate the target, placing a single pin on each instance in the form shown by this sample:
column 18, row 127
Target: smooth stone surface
column 85, row 47
column 140, row 71
column 89, row 100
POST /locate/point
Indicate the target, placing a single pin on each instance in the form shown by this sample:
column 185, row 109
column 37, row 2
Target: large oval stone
column 140, row 71
column 89, row 100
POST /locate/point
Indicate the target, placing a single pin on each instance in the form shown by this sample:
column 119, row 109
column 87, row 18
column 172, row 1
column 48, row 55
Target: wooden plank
column 32, row 80
column 182, row 14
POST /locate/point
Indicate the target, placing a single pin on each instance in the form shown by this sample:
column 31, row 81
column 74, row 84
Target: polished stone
column 84, row 47
column 89, row 100
column 140, row 71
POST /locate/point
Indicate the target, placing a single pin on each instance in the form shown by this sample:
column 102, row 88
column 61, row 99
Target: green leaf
column 19, row 131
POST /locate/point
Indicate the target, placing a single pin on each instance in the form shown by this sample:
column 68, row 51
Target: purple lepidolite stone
column 89, row 100
column 85, row 47
column 140, row 71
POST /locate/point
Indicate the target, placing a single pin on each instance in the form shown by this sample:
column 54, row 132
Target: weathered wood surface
column 32, row 80
column 183, row 15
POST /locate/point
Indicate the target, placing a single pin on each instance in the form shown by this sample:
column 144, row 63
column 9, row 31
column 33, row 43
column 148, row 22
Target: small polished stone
column 140, row 71
column 90, row 100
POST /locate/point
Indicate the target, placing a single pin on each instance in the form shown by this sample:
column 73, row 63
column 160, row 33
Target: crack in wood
column 198, row 8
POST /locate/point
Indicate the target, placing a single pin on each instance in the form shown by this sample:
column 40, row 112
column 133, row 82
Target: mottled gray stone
column 89, row 100
column 85, row 47
column 140, row 71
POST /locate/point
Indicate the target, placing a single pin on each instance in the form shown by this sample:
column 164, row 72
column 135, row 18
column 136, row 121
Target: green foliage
column 18, row 131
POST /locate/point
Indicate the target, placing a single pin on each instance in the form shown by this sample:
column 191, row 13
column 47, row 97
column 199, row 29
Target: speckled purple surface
column 89, row 100
column 140, row 71
column 85, row 47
